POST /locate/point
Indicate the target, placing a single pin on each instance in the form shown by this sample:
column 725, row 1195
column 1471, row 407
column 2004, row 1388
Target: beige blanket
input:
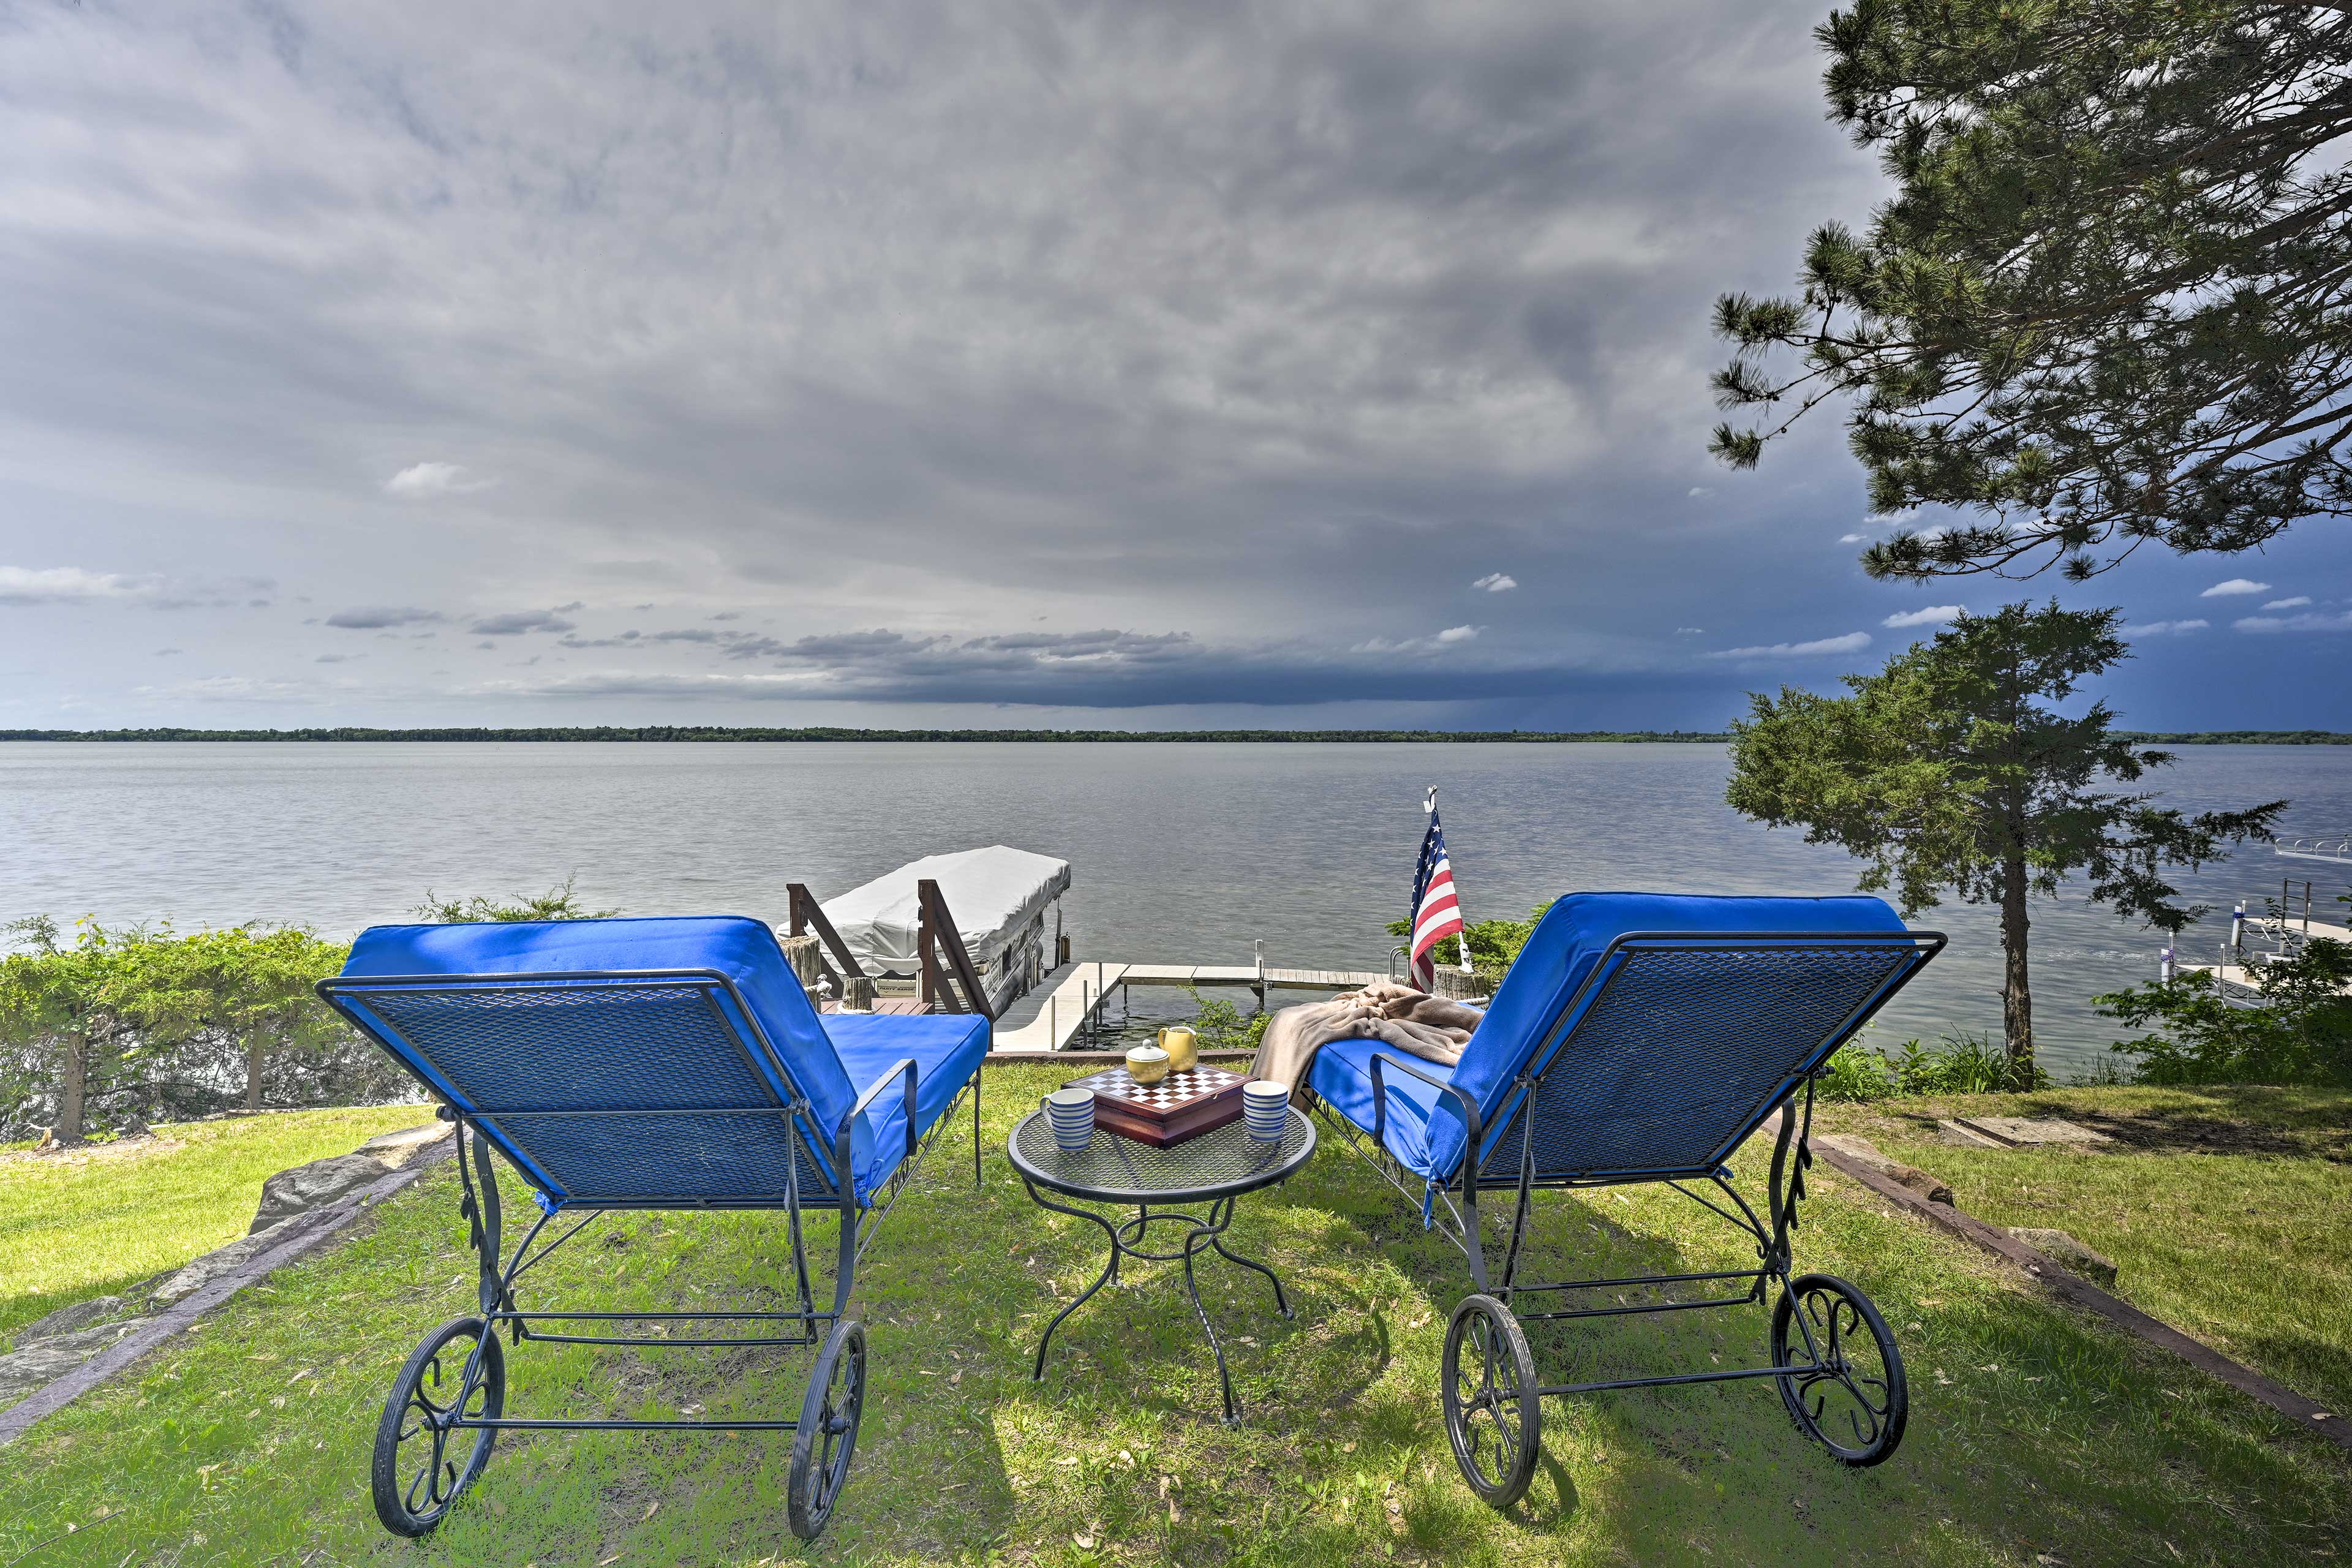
column 1423, row 1026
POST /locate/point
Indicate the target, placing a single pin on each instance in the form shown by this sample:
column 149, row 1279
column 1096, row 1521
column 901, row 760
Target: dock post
column 2164, row 964
column 1260, row 987
column 808, row 968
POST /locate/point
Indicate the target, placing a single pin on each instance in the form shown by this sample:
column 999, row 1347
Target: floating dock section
column 1069, row 1001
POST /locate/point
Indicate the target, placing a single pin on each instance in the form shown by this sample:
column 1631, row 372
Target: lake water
column 1183, row 852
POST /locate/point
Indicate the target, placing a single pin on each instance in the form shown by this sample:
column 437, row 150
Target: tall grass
column 1959, row 1063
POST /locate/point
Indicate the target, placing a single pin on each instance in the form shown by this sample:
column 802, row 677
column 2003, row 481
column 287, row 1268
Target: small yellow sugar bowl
column 1182, row 1046
column 1146, row 1064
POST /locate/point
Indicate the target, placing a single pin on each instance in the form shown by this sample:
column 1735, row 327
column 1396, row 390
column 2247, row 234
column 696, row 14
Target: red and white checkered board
column 1173, row 1093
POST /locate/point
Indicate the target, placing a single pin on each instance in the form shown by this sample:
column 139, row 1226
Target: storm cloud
column 1263, row 362
column 380, row 617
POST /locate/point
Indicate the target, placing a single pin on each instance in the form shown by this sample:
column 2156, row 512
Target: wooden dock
column 1067, row 1002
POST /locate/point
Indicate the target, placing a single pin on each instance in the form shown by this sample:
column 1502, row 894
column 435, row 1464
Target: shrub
column 1856, row 1075
column 1493, row 943
column 1222, row 1027
column 138, row 1023
column 2300, row 1033
column 1963, row 1063
column 555, row 904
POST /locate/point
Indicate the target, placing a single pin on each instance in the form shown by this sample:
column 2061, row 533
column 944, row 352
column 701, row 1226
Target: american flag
column 1436, row 913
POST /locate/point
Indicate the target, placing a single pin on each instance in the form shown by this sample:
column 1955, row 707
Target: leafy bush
column 114, row 1027
column 1856, row 1075
column 1493, row 943
column 1222, row 1027
column 555, row 904
column 111, row 1026
column 2301, row 1032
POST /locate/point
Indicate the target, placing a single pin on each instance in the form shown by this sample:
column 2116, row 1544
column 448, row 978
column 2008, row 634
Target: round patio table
column 1213, row 1168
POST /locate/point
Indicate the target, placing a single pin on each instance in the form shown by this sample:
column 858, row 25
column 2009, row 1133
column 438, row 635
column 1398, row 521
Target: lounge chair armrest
column 904, row 1068
column 1380, row 1102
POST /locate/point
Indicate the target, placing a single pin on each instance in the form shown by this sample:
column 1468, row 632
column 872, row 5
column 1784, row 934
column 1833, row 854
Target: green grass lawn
column 2036, row 1436
column 2227, row 1211
column 91, row 1223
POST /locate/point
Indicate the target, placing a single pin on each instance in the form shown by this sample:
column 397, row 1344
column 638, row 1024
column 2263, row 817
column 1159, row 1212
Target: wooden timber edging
column 2077, row 1291
column 311, row 1232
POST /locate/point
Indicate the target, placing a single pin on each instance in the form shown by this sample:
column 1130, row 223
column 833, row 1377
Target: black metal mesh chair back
column 1686, row 1047
column 619, row 1092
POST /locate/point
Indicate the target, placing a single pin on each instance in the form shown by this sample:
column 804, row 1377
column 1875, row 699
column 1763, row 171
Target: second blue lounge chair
column 1641, row 1037
column 644, row 1064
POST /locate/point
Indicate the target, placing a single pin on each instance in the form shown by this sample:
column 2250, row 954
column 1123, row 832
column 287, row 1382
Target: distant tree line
column 2236, row 738
column 673, row 732
column 107, row 1029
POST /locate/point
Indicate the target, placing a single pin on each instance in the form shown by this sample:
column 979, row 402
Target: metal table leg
column 1207, row 1232
column 1110, row 1272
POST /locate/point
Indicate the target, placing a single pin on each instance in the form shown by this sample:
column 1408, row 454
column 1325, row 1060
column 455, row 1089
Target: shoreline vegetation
column 669, row 733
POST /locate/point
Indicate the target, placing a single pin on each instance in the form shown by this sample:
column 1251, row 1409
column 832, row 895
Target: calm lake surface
column 1183, row 852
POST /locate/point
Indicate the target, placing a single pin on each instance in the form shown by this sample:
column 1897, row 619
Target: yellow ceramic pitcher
column 1182, row 1046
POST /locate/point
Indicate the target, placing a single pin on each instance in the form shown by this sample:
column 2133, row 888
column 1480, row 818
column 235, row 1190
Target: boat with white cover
column 1001, row 900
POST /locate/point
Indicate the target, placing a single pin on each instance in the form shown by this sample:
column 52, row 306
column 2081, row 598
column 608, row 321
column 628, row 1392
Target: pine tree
column 2111, row 298
column 1945, row 772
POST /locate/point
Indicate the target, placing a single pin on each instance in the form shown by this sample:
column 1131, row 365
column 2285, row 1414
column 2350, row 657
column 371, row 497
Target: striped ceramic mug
column 1071, row 1113
column 1265, row 1108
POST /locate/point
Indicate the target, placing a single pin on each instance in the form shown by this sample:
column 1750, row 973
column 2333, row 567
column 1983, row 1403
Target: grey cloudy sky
column 997, row 364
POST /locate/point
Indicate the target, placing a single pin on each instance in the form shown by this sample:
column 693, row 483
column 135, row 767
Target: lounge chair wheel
column 1492, row 1417
column 828, row 1428
column 1848, row 1391
column 421, row 1464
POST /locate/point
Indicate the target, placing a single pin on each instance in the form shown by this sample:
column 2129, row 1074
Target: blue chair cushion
column 947, row 1048
column 1559, row 955
column 1342, row 1075
column 831, row 1062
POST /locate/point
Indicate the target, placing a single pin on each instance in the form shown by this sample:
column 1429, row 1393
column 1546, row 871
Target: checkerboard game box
column 1182, row 1105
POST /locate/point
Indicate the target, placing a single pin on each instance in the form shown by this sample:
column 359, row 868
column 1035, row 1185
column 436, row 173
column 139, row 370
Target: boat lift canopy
column 996, row 894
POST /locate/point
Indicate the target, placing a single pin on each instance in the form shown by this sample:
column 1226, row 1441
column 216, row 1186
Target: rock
column 40, row 1363
column 1862, row 1151
column 396, row 1149
column 314, row 1186
column 2065, row 1250
column 71, row 1318
column 1921, row 1183
column 2010, row 1131
column 221, row 1261
column 1960, row 1135
column 1854, row 1148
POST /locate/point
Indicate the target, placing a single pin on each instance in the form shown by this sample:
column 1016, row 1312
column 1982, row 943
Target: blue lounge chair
column 1641, row 1037
column 644, row 1064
